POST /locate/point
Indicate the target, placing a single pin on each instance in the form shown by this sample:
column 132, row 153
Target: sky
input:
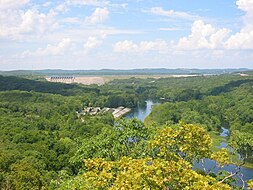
column 117, row 34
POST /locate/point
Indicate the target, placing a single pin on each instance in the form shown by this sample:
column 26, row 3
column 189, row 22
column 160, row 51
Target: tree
column 126, row 138
column 27, row 174
column 168, row 166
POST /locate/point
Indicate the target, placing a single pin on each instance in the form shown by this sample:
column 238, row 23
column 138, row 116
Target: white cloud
column 247, row 7
column 99, row 3
column 15, row 23
column 98, row 16
column 125, row 46
column 241, row 40
column 173, row 14
column 12, row 4
column 91, row 43
column 143, row 47
column 244, row 38
column 50, row 50
column 203, row 36
column 28, row 25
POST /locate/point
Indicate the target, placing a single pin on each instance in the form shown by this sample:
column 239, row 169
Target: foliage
column 250, row 184
column 128, row 173
column 43, row 141
column 39, row 133
column 187, row 141
column 167, row 168
column 127, row 138
column 242, row 143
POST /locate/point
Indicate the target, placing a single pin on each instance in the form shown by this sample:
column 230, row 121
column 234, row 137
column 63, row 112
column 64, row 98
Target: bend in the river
column 142, row 112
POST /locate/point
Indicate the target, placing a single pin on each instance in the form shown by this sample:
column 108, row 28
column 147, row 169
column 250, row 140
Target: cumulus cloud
column 92, row 42
column 173, row 14
column 143, row 47
column 125, row 46
column 244, row 38
column 50, row 50
column 240, row 40
column 98, row 16
column 15, row 23
column 247, row 7
column 206, row 36
column 203, row 36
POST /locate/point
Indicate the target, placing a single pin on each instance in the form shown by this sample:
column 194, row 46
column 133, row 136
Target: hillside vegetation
column 45, row 144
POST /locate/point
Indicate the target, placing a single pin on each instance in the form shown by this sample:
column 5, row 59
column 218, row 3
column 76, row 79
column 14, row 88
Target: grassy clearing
column 217, row 140
column 248, row 165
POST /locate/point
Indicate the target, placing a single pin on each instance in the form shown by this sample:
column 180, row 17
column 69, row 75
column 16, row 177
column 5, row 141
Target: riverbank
column 220, row 141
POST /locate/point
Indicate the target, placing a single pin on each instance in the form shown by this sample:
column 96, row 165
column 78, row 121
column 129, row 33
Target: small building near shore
column 116, row 112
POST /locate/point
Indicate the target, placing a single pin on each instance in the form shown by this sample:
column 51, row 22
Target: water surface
column 246, row 173
column 141, row 112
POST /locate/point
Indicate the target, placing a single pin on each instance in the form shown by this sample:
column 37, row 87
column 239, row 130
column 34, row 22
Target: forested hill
column 103, row 96
column 17, row 83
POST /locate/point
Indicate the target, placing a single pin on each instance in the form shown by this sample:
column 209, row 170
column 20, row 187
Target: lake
column 246, row 173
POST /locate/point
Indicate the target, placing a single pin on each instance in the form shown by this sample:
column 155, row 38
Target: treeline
column 180, row 89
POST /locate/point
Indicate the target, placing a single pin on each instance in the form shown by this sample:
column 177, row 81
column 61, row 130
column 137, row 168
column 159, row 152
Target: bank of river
column 141, row 112
column 210, row 165
column 246, row 173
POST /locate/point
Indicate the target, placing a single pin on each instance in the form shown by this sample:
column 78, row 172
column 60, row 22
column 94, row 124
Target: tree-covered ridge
column 17, row 83
column 180, row 89
column 94, row 95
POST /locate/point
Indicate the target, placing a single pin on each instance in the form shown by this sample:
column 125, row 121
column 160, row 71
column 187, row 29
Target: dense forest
column 45, row 144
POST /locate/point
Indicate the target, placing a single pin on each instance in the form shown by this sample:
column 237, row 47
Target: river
column 141, row 112
column 246, row 173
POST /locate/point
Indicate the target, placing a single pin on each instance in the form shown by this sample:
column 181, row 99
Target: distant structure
column 116, row 112
column 62, row 79
column 86, row 80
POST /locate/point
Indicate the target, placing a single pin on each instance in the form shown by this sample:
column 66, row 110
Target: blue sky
column 97, row 34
